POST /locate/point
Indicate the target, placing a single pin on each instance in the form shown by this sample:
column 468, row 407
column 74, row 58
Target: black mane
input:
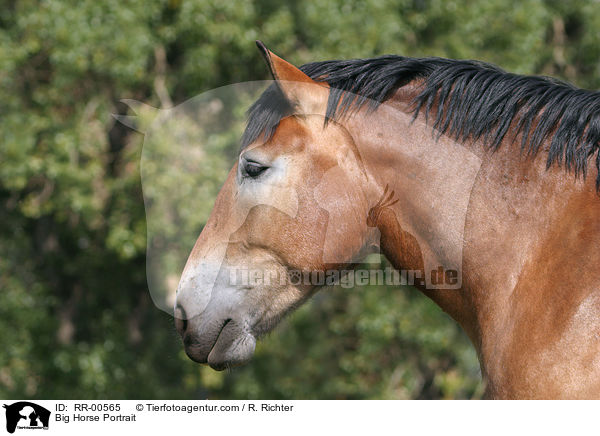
column 478, row 101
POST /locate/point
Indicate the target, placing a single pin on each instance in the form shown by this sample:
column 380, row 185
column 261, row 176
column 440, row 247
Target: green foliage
column 75, row 313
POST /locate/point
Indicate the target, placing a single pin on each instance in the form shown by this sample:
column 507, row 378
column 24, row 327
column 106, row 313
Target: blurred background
column 76, row 317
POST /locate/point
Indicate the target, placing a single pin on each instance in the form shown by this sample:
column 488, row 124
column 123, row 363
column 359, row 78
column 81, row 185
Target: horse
column 436, row 163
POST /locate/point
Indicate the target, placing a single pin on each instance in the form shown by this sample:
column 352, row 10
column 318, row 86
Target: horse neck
column 487, row 212
column 432, row 181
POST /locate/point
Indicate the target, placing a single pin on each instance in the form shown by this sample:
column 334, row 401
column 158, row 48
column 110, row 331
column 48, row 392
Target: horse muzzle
column 221, row 342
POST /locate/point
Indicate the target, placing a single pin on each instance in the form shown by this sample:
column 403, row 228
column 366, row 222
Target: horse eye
column 254, row 169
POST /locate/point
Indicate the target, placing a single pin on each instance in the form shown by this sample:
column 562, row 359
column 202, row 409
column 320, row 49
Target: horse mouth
column 230, row 345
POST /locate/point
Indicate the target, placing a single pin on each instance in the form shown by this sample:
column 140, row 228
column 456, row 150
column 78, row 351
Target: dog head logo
column 26, row 415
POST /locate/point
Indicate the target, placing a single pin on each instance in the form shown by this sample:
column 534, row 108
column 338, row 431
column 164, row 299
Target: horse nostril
column 180, row 320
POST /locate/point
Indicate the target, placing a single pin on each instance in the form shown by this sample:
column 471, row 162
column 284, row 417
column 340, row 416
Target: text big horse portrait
column 434, row 162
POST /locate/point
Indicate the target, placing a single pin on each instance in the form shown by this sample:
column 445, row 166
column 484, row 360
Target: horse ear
column 309, row 96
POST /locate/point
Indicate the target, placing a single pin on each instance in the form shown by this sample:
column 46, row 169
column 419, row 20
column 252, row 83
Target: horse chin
column 234, row 347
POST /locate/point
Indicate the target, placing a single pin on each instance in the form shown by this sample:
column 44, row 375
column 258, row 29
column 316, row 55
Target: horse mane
column 466, row 99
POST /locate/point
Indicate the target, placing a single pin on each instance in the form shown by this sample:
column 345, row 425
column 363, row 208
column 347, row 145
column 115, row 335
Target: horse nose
column 190, row 302
column 181, row 322
column 192, row 330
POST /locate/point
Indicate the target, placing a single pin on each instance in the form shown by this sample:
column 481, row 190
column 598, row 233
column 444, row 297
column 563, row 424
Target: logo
column 26, row 415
